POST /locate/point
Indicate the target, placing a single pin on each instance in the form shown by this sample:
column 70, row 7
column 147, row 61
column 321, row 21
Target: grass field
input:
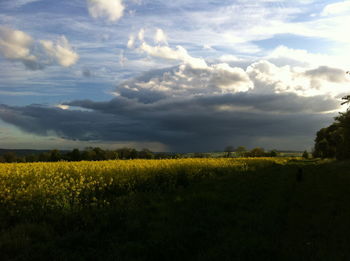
column 187, row 209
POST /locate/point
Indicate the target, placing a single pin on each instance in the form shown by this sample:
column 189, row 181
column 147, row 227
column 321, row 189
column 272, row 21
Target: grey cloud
column 193, row 124
column 328, row 74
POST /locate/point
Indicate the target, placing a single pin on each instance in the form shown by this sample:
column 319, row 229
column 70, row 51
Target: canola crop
column 75, row 185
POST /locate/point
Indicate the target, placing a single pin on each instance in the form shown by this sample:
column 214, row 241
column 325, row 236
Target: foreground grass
column 176, row 210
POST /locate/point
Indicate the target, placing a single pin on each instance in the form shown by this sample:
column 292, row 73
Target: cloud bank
column 196, row 109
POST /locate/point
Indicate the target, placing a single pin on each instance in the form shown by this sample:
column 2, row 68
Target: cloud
column 166, row 52
column 337, row 8
column 61, row 52
column 188, row 109
column 112, row 10
column 141, row 34
column 229, row 58
column 16, row 45
column 160, row 37
column 63, row 107
column 18, row 3
column 185, row 81
column 329, row 74
column 178, row 54
column 199, row 123
column 321, row 80
column 131, row 42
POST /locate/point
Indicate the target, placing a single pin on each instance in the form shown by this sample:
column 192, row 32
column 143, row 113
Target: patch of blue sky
column 310, row 44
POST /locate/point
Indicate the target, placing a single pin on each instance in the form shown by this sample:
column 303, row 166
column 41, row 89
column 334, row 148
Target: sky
column 181, row 75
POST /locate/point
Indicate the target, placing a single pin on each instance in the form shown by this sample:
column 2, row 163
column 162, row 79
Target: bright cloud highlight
column 112, row 10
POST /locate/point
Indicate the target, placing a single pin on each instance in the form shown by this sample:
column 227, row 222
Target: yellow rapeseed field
column 67, row 185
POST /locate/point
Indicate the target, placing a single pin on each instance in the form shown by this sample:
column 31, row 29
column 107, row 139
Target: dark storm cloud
column 273, row 103
column 191, row 124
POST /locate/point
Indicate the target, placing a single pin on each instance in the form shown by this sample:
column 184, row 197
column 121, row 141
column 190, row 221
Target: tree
column 88, row 154
column 347, row 97
column 44, row 156
column 124, row 153
column 10, row 157
column 229, row 150
column 334, row 140
column 55, row 155
column 240, row 151
column 31, row 158
column 133, row 154
column 75, row 155
column 146, row 154
column 257, row 152
column 100, row 153
column 305, row 154
column 273, row 153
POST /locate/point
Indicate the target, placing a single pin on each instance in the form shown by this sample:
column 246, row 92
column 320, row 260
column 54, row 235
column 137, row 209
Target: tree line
column 241, row 151
column 89, row 154
column 97, row 154
column 334, row 140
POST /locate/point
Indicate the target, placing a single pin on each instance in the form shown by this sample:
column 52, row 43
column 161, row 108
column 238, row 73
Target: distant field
column 186, row 209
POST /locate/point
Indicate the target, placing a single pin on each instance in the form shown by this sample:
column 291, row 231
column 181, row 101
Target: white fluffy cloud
column 18, row 46
column 184, row 81
column 284, row 70
column 178, row 54
column 112, row 10
column 322, row 80
column 61, row 52
column 164, row 51
column 259, row 78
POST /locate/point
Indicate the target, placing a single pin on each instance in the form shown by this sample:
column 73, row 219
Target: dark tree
column 10, row 157
column 88, row 154
column 240, row 151
column 273, row 153
column 75, row 155
column 146, row 154
column 305, row 154
column 55, row 155
column 334, row 141
column 257, row 152
column 229, row 150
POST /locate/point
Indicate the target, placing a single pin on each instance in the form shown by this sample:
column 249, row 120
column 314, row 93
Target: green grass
column 253, row 215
